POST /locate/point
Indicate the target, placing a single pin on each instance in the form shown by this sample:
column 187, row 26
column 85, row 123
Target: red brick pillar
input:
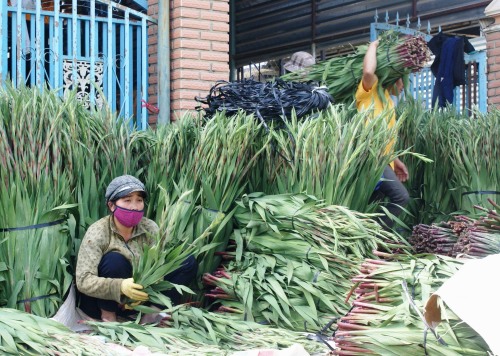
column 199, row 50
column 492, row 34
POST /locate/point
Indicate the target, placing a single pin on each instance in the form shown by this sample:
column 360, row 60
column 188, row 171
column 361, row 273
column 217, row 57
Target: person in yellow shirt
column 396, row 173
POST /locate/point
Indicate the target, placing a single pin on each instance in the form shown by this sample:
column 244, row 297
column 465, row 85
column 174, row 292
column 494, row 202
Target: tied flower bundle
column 397, row 57
column 387, row 317
column 465, row 237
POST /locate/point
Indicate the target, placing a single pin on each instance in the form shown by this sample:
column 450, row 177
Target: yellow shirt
column 365, row 99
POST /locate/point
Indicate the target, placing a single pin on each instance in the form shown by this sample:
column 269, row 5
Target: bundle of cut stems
column 228, row 149
column 193, row 331
column 160, row 340
column 437, row 238
column 436, row 180
column 473, row 149
column 169, row 250
column 410, row 136
column 478, row 243
column 482, row 235
column 338, row 157
column 27, row 334
column 466, row 236
column 283, row 292
column 235, row 334
column 217, row 170
column 333, row 228
column 387, row 314
column 172, row 149
column 292, row 246
column 35, row 256
column 397, row 56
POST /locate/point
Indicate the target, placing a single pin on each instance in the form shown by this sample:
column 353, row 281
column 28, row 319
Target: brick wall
column 199, row 44
column 493, row 53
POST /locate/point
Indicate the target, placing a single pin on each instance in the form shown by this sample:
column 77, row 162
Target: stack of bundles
column 280, row 290
column 437, row 238
column 35, row 233
column 26, row 334
column 466, row 236
column 171, row 149
column 269, row 101
column 35, row 244
column 47, row 144
column 193, row 331
column 387, row 314
column 292, row 258
column 215, row 160
column 473, row 148
column 463, row 148
column 397, row 57
column 182, row 233
column 338, row 157
column 482, row 236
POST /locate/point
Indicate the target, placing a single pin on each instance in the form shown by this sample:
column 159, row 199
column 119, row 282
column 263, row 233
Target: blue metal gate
column 96, row 47
column 471, row 95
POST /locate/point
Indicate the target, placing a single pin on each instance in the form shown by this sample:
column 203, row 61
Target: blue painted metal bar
column 105, row 59
column 126, row 67
column 58, row 49
column 481, row 60
column 141, row 3
column 3, row 40
column 19, row 44
column 138, row 68
column 51, row 54
column 375, row 27
column 57, row 45
column 144, row 71
column 86, row 36
column 114, row 73
column 13, row 51
column 30, row 51
column 74, row 47
column 109, row 92
column 130, row 73
column 39, row 36
column 92, row 51
column 121, row 67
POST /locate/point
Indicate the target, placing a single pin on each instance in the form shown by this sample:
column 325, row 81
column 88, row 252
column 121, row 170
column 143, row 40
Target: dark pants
column 115, row 265
column 395, row 191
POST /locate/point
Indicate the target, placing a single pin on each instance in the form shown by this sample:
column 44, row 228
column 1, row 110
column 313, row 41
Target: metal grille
column 88, row 46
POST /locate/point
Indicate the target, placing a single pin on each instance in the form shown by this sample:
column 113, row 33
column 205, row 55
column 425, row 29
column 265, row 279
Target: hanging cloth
column 448, row 66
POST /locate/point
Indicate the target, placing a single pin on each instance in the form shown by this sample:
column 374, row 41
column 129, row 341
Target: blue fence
column 466, row 97
column 98, row 48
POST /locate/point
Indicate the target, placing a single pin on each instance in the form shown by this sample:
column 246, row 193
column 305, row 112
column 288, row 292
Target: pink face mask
column 128, row 218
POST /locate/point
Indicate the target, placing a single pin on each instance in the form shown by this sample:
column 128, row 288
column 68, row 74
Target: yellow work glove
column 132, row 305
column 132, row 290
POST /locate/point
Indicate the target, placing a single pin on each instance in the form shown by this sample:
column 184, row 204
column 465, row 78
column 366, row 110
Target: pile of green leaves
column 338, row 157
column 275, row 290
column 193, row 331
column 397, row 57
column 387, row 314
column 292, row 258
column 461, row 173
column 27, row 334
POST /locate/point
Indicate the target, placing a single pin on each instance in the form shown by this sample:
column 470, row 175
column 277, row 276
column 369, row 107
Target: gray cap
column 299, row 60
column 122, row 186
